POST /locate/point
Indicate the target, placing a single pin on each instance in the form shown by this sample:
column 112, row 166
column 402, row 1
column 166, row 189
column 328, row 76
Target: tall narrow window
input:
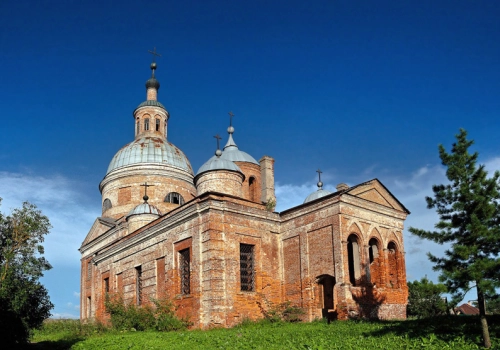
column 157, row 124
column 138, row 285
column 392, row 264
column 146, row 124
column 89, row 307
column 185, row 271
column 353, row 259
column 106, row 285
column 251, row 189
column 89, row 270
column 374, row 261
column 247, row 276
column 137, row 126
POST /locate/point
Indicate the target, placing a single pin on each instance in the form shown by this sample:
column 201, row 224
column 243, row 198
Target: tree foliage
column 425, row 298
column 24, row 301
column 469, row 221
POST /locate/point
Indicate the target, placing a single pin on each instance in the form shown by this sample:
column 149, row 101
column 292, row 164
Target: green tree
column 425, row 298
column 24, row 301
column 469, row 221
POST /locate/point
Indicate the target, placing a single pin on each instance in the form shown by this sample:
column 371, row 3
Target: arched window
column 175, row 198
column 137, row 127
column 106, row 205
column 146, row 124
column 353, row 259
column 251, row 189
column 373, row 251
column 392, row 264
column 157, row 124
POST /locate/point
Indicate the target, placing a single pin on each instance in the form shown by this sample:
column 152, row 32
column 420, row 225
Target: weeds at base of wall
column 282, row 312
column 159, row 316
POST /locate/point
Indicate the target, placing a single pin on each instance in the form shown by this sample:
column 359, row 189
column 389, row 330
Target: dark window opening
column 251, row 184
column 106, row 285
column 185, row 271
column 106, row 204
column 146, row 124
column 157, row 124
column 175, row 198
column 89, row 307
column 373, row 250
column 137, row 128
column 138, row 285
column 353, row 259
column 247, row 275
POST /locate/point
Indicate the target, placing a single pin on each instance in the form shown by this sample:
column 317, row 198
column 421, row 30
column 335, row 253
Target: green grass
column 438, row 333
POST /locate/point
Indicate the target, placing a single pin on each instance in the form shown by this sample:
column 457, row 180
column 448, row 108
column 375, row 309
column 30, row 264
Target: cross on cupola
column 153, row 64
column 146, row 191
column 320, row 184
column 218, row 153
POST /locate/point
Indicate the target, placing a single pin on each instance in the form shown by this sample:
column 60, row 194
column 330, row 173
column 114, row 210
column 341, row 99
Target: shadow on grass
column 61, row 344
column 445, row 328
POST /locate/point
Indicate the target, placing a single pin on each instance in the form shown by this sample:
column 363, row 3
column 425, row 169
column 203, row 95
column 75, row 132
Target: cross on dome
column 146, row 191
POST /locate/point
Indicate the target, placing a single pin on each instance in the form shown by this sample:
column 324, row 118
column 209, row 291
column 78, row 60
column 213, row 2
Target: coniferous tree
column 469, row 221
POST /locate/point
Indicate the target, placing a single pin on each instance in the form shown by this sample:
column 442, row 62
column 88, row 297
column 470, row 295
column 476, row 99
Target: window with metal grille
column 138, row 284
column 146, row 124
column 247, row 275
column 157, row 124
column 184, row 260
column 89, row 270
column 174, row 197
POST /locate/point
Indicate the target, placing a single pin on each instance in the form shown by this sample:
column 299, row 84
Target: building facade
column 212, row 243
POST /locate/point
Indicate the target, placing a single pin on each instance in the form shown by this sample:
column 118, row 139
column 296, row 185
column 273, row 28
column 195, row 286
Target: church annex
column 211, row 242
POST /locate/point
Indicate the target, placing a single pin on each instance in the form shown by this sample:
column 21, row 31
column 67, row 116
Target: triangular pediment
column 100, row 226
column 375, row 191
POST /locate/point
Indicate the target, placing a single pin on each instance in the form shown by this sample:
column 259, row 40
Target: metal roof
column 144, row 208
column 317, row 194
column 150, row 150
column 218, row 163
column 232, row 153
column 150, row 103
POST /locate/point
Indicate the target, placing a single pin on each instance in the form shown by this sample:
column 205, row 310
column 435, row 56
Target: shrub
column 160, row 316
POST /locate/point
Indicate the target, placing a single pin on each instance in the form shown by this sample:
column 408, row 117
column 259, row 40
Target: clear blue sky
column 360, row 89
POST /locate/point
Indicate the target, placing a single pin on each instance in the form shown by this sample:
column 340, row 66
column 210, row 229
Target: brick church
column 211, row 241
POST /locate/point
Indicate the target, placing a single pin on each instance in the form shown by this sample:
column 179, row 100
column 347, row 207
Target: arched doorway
column 327, row 282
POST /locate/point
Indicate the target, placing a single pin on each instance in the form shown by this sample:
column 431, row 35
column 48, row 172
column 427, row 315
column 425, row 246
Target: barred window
column 146, row 124
column 138, row 285
column 89, row 269
column 185, row 271
column 174, row 197
column 247, row 275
